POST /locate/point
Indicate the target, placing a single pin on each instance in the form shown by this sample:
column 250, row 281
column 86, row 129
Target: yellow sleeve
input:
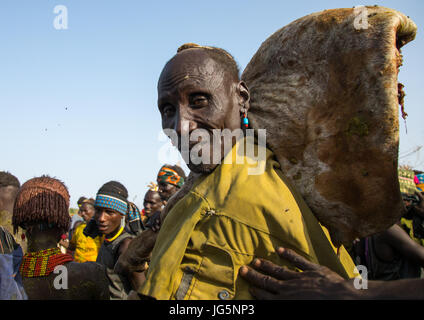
column 76, row 235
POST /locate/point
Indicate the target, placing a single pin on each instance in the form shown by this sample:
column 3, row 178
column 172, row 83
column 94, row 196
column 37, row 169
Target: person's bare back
column 73, row 281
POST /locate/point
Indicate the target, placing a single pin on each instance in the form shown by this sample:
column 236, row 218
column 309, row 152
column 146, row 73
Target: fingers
column 273, row 270
column 133, row 295
column 297, row 260
column 257, row 279
column 120, row 268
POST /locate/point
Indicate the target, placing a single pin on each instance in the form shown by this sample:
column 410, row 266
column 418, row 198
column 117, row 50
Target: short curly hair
column 7, row 179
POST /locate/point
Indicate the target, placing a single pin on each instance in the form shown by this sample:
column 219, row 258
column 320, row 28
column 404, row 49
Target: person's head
column 170, row 179
column 200, row 88
column 152, row 202
column 111, row 206
column 42, row 207
column 80, row 202
column 87, row 209
column 9, row 186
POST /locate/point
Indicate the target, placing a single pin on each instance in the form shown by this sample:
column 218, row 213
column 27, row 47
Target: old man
column 229, row 216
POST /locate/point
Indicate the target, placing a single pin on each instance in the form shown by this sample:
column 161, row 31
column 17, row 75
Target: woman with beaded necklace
column 41, row 209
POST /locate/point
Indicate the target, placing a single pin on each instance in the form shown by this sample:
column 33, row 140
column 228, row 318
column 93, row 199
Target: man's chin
column 202, row 168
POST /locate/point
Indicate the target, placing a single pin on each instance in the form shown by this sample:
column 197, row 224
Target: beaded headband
column 124, row 208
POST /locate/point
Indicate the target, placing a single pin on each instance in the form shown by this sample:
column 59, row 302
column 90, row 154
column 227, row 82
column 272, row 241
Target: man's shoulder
column 233, row 185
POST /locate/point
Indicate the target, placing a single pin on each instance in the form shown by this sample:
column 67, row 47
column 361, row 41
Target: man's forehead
column 192, row 64
column 9, row 190
column 151, row 194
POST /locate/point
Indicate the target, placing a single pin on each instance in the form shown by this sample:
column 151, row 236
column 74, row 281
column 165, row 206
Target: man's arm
column 401, row 243
column 319, row 282
column 137, row 254
column 136, row 277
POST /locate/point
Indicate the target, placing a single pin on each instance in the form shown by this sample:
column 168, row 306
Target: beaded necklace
column 42, row 263
column 115, row 236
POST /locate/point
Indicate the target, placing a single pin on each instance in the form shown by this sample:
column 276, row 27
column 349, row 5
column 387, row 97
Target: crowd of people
column 219, row 233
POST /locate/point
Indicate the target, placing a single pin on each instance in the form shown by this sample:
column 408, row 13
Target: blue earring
column 245, row 118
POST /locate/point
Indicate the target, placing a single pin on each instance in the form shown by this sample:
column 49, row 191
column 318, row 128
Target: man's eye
column 199, row 100
column 168, row 110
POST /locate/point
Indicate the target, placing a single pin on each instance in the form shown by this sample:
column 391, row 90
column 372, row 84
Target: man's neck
column 41, row 243
column 112, row 234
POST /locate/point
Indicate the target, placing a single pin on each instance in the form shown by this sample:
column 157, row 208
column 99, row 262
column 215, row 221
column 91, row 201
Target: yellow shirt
column 226, row 220
column 87, row 248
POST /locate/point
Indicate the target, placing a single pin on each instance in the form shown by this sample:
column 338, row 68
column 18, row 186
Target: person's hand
column 154, row 222
column 133, row 295
column 277, row 283
column 134, row 258
column 64, row 243
column 156, row 225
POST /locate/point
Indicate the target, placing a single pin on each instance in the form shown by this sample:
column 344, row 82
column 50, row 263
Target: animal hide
column 327, row 94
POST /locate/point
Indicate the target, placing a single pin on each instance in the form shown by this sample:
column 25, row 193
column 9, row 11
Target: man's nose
column 183, row 123
column 101, row 216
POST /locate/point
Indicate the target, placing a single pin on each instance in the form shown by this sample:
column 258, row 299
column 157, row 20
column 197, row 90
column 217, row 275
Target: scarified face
column 196, row 92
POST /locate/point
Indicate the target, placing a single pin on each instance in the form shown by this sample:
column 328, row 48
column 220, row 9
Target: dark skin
column 152, row 203
column 196, row 92
column 419, row 209
column 272, row 282
column 86, row 281
column 394, row 242
column 109, row 223
column 166, row 190
column 7, row 200
column 87, row 212
column 152, row 206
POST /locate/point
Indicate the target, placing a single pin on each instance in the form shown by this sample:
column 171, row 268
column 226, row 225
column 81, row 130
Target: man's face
column 166, row 190
column 7, row 198
column 152, row 203
column 108, row 220
column 195, row 92
column 86, row 212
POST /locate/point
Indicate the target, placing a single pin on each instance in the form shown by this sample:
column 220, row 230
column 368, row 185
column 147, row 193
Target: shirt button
column 224, row 295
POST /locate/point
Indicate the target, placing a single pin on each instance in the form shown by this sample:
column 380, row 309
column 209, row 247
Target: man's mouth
column 190, row 143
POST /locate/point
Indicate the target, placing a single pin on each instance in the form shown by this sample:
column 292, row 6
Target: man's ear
column 244, row 94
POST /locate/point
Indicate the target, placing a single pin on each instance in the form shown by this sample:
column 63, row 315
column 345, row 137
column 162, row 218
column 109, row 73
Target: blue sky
column 80, row 104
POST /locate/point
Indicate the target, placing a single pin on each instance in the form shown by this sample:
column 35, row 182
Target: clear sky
column 80, row 104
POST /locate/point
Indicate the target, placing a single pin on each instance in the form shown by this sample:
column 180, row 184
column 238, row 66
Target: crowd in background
column 33, row 241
